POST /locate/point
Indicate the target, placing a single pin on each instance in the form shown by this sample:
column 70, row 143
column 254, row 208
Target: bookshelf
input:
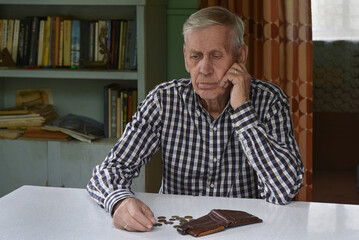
column 78, row 91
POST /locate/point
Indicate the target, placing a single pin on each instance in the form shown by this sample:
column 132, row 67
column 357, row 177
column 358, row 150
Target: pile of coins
column 176, row 221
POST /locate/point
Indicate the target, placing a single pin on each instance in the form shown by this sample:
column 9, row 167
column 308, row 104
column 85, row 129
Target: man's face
column 208, row 56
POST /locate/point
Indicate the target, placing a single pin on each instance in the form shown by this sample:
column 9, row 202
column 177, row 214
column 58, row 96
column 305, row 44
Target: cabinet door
column 22, row 163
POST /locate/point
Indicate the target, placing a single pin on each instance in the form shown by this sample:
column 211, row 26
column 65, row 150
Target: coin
column 172, row 219
column 188, row 217
column 176, row 226
column 161, row 217
column 168, row 222
column 162, row 220
column 183, row 221
column 175, row 216
column 157, row 225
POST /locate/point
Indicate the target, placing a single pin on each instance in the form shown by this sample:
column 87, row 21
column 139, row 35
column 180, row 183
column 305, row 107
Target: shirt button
column 212, row 185
column 198, row 113
column 214, row 159
column 214, row 128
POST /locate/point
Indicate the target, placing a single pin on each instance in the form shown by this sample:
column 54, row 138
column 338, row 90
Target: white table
column 62, row 213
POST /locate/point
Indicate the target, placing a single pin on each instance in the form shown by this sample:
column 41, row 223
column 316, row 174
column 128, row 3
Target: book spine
column 84, row 40
column 101, row 25
column 57, row 26
column 40, row 52
column 96, row 41
column 27, row 41
column 1, row 34
column 33, row 41
column 61, row 46
column 91, row 56
column 117, row 41
column 10, row 35
column 120, row 45
column 52, row 42
column 112, row 47
column 114, row 109
column 75, row 43
column 20, row 51
column 15, row 45
column 4, row 34
column 46, row 50
column 67, row 42
column 129, row 32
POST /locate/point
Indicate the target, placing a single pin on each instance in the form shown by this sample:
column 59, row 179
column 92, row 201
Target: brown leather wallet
column 217, row 220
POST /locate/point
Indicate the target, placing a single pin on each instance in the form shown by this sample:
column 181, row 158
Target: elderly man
column 221, row 132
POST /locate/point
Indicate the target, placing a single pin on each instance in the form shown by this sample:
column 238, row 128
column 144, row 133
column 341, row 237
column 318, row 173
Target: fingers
column 133, row 215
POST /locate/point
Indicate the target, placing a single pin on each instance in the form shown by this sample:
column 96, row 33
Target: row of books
column 56, row 41
column 120, row 105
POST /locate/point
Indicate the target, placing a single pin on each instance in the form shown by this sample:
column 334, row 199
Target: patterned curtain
column 279, row 36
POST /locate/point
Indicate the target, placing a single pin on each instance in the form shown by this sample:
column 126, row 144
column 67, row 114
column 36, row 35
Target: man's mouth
column 207, row 85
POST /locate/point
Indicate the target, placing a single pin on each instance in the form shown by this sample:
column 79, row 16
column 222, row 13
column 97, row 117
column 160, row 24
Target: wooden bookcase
column 78, row 91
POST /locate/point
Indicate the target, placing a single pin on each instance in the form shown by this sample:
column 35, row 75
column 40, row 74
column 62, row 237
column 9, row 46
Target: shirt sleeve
column 111, row 180
column 271, row 149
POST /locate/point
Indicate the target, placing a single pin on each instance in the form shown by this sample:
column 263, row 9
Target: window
column 335, row 20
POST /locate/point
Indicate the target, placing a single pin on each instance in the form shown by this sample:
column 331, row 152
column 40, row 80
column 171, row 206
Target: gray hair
column 216, row 15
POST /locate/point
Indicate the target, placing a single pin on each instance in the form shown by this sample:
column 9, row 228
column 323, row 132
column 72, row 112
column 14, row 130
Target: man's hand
column 239, row 78
column 133, row 215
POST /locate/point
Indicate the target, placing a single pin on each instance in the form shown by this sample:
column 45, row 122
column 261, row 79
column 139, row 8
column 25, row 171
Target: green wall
column 177, row 13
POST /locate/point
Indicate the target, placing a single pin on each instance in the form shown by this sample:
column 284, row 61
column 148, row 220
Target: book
column 35, row 24
column 56, row 41
column 15, row 45
column 95, row 41
column 84, row 40
column 116, row 44
column 20, row 50
column 112, row 48
column 4, row 34
column 1, row 34
column 79, row 127
column 129, row 42
column 10, row 35
column 43, row 135
column 61, row 45
column 92, row 32
column 67, row 42
column 15, row 121
column 27, row 41
column 51, row 41
column 75, row 43
column 40, row 50
column 45, row 59
column 46, row 111
column 114, row 92
column 101, row 25
column 121, row 45
column 10, row 133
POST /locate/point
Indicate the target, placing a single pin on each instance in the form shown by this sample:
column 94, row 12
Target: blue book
column 75, row 43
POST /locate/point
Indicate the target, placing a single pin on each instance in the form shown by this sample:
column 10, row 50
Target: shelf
column 87, row 2
column 68, row 74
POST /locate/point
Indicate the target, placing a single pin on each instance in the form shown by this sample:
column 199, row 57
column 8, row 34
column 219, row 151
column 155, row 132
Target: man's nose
column 206, row 66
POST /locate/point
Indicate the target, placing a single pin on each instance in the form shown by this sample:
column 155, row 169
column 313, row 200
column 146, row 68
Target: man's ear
column 242, row 54
column 184, row 56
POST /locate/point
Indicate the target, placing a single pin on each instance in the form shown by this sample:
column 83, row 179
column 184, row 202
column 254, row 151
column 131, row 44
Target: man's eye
column 217, row 57
column 195, row 56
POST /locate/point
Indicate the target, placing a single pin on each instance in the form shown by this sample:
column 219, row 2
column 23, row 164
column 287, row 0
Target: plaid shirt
column 248, row 152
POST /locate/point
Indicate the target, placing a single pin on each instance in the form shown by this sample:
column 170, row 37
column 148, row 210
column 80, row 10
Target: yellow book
column 46, row 50
column 67, row 42
column 10, row 34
